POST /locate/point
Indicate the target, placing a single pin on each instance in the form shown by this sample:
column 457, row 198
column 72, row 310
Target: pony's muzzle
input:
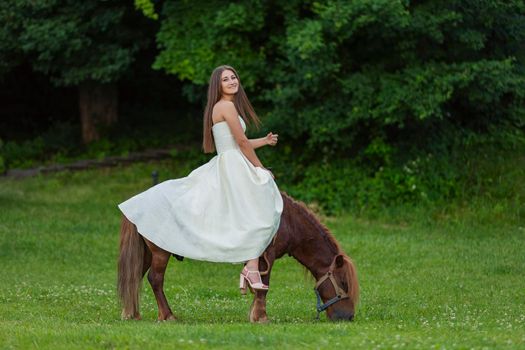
column 340, row 315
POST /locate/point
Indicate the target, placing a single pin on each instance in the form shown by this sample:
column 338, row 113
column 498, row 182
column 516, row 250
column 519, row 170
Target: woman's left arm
column 270, row 139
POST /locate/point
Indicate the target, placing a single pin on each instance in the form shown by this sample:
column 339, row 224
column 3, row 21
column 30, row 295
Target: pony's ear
column 339, row 261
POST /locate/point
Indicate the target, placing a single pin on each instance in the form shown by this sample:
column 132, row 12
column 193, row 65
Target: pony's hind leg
column 147, row 260
column 159, row 262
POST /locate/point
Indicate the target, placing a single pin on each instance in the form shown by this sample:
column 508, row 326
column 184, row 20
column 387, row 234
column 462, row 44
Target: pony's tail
column 130, row 265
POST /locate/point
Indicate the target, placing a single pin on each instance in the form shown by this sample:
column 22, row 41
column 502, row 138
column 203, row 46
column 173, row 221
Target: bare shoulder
column 223, row 106
column 223, row 110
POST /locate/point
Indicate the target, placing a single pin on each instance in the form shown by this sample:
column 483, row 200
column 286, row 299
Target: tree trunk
column 98, row 105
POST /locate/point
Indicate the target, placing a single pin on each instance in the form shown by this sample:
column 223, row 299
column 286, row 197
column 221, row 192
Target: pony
column 300, row 235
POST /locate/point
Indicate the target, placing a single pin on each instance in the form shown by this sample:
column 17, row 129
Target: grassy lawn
column 432, row 280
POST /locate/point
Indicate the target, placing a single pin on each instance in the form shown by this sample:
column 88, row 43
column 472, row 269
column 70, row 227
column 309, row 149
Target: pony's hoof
column 263, row 320
column 170, row 317
column 254, row 318
column 260, row 320
column 136, row 317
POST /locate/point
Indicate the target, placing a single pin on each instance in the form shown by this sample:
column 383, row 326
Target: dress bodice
column 223, row 137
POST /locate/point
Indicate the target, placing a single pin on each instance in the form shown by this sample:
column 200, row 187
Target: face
column 344, row 309
column 229, row 83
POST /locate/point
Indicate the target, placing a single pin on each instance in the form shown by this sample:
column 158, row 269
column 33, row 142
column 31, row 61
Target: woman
column 227, row 210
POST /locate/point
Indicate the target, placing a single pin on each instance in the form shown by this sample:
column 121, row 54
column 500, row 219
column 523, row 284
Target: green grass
column 435, row 279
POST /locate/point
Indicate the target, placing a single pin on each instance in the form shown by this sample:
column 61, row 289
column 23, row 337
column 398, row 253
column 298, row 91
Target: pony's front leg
column 159, row 262
column 258, row 308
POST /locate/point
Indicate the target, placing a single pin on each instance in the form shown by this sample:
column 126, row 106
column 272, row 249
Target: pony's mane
column 312, row 219
column 350, row 271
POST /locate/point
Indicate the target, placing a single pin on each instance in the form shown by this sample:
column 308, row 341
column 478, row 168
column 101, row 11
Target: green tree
column 89, row 44
column 338, row 74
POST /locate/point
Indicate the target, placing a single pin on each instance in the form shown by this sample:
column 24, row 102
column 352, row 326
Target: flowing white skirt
column 226, row 210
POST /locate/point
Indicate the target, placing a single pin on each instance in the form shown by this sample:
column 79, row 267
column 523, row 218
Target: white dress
column 226, row 210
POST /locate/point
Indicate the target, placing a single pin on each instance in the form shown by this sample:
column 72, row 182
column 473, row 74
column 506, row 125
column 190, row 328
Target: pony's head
column 340, row 284
column 317, row 249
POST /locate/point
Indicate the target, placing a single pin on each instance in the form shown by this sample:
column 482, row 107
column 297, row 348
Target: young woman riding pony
column 227, row 210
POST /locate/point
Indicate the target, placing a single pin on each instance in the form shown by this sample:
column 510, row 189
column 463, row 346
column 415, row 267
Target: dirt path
column 91, row 163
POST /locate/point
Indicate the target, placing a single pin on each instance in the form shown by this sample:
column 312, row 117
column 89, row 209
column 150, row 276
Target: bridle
column 340, row 294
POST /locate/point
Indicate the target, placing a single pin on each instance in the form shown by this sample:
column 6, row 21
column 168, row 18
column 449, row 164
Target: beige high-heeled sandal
column 253, row 285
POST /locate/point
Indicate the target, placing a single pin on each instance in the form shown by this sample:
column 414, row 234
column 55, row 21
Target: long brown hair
column 240, row 100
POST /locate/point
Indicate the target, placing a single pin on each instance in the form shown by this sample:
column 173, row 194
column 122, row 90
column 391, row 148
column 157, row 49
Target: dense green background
column 376, row 102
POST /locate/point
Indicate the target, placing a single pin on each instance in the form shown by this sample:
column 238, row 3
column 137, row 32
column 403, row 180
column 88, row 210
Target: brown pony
column 300, row 235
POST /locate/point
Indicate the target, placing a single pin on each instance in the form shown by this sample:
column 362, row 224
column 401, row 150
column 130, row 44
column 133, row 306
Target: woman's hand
column 271, row 139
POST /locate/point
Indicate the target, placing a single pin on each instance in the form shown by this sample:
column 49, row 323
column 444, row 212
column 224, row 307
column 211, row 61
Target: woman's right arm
column 229, row 112
column 268, row 140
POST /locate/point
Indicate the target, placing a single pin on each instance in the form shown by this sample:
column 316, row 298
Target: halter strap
column 340, row 294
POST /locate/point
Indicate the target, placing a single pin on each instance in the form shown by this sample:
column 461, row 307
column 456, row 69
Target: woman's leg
column 250, row 273
column 253, row 265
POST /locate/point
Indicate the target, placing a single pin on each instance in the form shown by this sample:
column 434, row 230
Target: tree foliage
column 89, row 44
column 70, row 41
column 195, row 35
column 148, row 8
column 335, row 74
